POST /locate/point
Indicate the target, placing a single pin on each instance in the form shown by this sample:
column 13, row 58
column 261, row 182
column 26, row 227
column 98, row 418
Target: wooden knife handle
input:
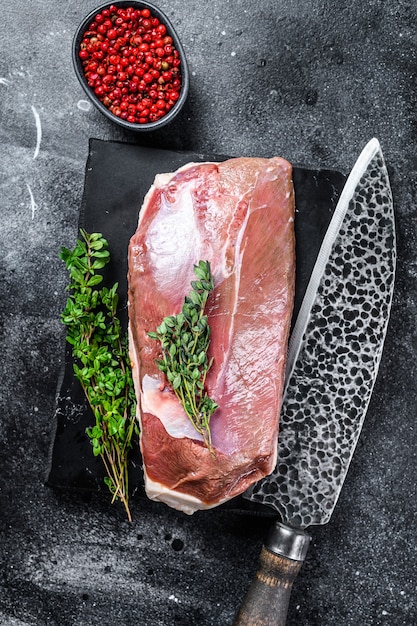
column 266, row 603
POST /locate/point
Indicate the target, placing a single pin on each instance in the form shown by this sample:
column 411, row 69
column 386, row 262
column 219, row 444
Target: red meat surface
column 238, row 215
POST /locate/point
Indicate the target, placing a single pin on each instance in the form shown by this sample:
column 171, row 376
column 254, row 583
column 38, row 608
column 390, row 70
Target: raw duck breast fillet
column 238, row 215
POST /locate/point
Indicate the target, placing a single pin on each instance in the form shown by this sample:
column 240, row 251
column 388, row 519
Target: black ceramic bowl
column 78, row 66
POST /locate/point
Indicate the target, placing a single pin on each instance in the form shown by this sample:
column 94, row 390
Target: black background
column 309, row 81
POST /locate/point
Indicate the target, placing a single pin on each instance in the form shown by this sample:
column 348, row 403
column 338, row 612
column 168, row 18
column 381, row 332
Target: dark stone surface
column 308, row 81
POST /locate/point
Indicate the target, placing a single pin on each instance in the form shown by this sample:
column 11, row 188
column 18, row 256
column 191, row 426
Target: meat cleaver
column 333, row 358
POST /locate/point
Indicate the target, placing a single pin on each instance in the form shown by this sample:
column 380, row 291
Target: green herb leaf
column 185, row 340
column 102, row 363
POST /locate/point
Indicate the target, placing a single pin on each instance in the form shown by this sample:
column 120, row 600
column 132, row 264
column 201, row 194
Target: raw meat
column 239, row 215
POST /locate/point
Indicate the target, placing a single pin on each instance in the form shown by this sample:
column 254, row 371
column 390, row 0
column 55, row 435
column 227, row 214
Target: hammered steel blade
column 335, row 351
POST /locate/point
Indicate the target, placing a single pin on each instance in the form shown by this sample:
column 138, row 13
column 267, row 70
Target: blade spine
column 294, row 345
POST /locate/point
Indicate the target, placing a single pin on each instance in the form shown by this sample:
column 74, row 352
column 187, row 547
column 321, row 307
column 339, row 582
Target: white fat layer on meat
column 162, row 405
column 177, row 224
column 165, row 406
column 162, row 179
column 165, row 239
column 175, row 499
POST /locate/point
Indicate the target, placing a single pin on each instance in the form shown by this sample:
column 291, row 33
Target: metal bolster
column 291, row 543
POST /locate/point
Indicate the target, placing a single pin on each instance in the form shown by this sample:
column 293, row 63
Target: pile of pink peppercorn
column 131, row 64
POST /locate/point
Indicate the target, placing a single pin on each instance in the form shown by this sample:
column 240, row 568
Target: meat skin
column 239, row 215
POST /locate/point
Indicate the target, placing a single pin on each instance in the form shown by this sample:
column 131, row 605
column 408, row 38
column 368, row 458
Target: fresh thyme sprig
column 102, row 365
column 185, row 339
